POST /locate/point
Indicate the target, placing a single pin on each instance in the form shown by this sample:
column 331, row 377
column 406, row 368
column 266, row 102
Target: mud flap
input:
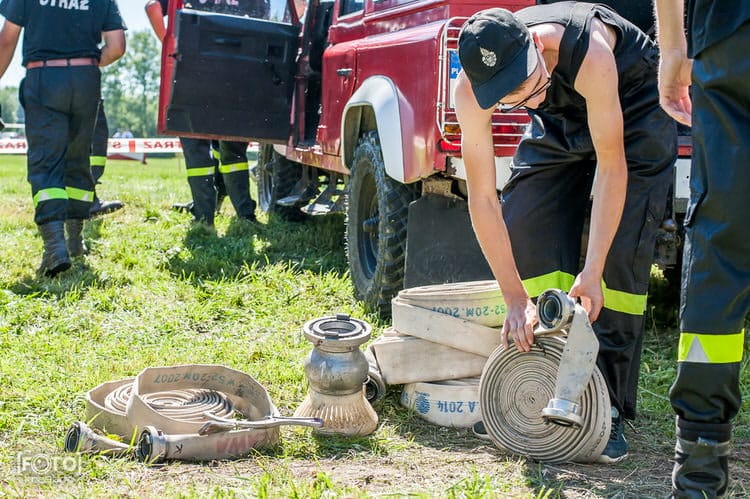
column 440, row 245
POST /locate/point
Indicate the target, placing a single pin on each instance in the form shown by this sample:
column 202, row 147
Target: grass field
column 156, row 290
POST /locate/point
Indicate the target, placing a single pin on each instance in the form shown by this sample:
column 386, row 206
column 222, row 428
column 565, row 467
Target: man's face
column 531, row 93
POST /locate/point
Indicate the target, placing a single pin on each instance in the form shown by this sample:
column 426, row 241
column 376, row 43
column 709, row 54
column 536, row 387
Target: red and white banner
column 115, row 146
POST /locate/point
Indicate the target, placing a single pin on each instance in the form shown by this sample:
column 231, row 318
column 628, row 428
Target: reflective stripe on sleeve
column 48, row 194
column 711, row 348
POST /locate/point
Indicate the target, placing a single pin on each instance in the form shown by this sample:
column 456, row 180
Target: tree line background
column 130, row 88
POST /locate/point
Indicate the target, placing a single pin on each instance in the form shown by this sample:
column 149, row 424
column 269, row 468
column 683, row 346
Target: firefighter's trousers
column 546, row 203
column 99, row 144
column 716, row 269
column 229, row 160
column 60, row 105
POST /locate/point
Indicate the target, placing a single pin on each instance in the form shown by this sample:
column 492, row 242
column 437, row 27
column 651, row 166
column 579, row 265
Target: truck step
column 303, row 191
column 331, row 200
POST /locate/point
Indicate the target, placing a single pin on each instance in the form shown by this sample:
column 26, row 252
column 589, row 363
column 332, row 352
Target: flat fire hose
column 192, row 412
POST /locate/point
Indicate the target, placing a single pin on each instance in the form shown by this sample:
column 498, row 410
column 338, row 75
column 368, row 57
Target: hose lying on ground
column 514, row 389
column 191, row 412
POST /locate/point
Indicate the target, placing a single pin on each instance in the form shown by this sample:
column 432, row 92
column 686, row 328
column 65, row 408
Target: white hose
column 189, row 412
column 514, row 389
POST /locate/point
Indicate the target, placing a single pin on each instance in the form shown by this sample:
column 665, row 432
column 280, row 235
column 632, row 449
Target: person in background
column 98, row 161
column 715, row 296
column 60, row 95
column 204, row 160
column 587, row 78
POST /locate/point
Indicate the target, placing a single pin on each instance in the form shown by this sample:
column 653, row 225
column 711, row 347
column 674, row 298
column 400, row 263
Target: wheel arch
column 378, row 105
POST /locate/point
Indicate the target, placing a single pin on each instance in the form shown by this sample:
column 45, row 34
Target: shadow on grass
column 78, row 279
column 316, row 246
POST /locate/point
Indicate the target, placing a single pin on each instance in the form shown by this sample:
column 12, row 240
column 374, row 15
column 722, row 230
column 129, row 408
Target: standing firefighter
column 213, row 167
column 60, row 96
column 715, row 295
column 588, row 80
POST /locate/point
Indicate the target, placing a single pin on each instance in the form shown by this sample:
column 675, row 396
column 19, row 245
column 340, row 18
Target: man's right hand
column 674, row 83
column 519, row 325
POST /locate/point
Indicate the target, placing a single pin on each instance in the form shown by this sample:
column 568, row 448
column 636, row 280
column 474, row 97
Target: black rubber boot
column 74, row 229
column 55, row 258
column 204, row 198
column 237, row 185
column 701, row 468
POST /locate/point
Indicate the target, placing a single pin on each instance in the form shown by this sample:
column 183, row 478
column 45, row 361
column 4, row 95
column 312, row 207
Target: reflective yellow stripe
column 711, row 348
column 80, row 194
column 216, row 154
column 235, row 167
column 51, row 193
column 558, row 279
column 98, row 160
column 201, row 172
column 620, row 301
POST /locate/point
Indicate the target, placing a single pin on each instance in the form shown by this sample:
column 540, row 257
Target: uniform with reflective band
column 715, row 300
column 213, row 165
column 546, row 199
column 60, row 96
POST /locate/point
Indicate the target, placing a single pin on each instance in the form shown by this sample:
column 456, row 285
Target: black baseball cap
column 496, row 53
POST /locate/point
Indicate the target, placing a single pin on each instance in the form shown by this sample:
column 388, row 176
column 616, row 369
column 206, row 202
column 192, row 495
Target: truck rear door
column 228, row 69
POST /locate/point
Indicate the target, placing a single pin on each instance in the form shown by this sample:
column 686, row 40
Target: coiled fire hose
column 551, row 404
column 190, row 412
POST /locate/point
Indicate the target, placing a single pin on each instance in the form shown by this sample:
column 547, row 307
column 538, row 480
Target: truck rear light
column 684, row 142
column 445, row 146
column 451, row 129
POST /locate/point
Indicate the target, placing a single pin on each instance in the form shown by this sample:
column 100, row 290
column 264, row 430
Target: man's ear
column 537, row 41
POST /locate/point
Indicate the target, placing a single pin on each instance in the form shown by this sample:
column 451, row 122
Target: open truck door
column 228, row 69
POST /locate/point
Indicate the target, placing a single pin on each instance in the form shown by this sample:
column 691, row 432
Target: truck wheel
column 377, row 209
column 276, row 176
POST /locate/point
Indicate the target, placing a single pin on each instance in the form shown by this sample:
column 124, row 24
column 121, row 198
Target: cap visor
column 506, row 80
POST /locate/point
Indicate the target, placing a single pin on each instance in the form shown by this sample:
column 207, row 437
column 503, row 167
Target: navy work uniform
column 60, row 96
column 546, row 200
column 715, row 297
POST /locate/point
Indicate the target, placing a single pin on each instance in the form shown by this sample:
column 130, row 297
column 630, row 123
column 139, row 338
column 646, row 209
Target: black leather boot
column 99, row 207
column 701, row 468
column 74, row 229
column 55, row 258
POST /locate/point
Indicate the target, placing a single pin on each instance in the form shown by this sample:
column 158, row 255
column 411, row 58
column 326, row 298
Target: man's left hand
column 588, row 289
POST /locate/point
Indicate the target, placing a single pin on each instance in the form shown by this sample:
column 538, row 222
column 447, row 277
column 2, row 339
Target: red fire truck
column 352, row 103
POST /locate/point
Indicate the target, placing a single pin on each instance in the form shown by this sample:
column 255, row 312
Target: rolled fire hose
column 550, row 404
column 375, row 388
column 190, row 412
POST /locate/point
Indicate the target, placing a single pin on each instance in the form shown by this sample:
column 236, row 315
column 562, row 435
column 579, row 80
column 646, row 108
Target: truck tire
column 376, row 220
column 275, row 177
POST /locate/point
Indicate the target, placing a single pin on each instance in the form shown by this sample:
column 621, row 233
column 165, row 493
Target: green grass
column 156, row 290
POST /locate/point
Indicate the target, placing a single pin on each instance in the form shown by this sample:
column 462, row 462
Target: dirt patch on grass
column 437, row 463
